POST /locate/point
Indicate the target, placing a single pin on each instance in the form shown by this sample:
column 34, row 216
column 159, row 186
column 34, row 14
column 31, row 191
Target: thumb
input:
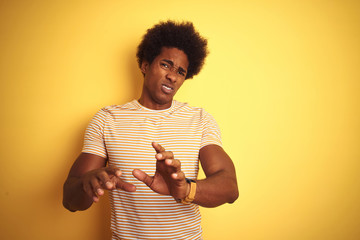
column 142, row 176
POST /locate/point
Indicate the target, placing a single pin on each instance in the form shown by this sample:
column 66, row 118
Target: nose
column 171, row 75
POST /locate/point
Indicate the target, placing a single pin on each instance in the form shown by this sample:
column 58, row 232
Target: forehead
column 177, row 56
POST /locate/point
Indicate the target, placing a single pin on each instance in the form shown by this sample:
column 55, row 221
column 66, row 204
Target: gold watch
column 191, row 196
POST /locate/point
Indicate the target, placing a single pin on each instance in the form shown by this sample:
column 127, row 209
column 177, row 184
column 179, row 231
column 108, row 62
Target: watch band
column 191, row 196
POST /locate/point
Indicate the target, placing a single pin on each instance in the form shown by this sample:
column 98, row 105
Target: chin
column 165, row 100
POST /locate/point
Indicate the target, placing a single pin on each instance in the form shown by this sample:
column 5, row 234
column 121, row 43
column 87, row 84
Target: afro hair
column 182, row 36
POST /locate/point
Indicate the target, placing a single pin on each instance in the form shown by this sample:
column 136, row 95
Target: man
column 155, row 197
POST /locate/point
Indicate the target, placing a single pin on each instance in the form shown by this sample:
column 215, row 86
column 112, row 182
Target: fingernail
column 100, row 191
column 159, row 155
column 109, row 184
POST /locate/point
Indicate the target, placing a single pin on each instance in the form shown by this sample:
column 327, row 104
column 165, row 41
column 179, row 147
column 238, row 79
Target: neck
column 153, row 105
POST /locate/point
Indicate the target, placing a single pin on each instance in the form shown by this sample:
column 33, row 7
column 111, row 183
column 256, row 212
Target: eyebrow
column 172, row 64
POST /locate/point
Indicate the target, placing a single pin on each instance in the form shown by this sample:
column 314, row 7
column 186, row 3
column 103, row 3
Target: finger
column 158, row 148
column 178, row 176
column 113, row 171
column 87, row 186
column 96, row 187
column 105, row 179
column 164, row 155
column 179, row 182
column 175, row 164
column 120, row 184
column 142, row 176
column 88, row 190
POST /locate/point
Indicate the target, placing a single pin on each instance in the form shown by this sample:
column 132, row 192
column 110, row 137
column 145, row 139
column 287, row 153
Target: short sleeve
column 94, row 135
column 210, row 131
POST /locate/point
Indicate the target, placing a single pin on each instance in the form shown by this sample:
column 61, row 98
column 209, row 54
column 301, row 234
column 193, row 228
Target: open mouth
column 167, row 89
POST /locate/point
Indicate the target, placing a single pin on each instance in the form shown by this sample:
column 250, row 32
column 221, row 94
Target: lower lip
column 166, row 90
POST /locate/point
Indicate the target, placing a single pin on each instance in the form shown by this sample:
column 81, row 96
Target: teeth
column 169, row 88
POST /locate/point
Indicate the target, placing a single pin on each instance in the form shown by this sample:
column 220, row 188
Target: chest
column 128, row 139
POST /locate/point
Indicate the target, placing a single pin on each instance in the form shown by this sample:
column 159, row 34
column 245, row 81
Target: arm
column 87, row 180
column 220, row 184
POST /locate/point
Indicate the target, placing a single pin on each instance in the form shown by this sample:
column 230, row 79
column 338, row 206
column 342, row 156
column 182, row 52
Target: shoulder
column 185, row 108
column 123, row 107
column 116, row 108
column 112, row 112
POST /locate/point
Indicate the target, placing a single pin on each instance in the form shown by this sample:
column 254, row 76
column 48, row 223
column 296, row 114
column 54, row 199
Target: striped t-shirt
column 123, row 134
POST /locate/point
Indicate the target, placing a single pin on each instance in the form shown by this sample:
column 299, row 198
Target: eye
column 181, row 73
column 164, row 65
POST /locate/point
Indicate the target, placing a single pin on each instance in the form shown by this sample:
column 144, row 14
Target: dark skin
column 89, row 176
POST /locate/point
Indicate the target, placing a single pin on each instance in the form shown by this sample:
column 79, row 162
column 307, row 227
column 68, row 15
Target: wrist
column 190, row 192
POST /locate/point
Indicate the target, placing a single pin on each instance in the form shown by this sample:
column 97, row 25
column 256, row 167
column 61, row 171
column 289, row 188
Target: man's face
column 163, row 77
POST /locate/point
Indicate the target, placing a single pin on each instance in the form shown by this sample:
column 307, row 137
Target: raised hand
column 107, row 178
column 168, row 178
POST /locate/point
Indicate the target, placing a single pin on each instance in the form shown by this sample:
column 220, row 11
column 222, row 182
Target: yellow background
column 282, row 80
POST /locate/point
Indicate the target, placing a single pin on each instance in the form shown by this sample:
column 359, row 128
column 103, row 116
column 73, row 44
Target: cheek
column 150, row 79
column 154, row 77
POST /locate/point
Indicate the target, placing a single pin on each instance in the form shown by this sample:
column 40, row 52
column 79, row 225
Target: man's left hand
column 168, row 178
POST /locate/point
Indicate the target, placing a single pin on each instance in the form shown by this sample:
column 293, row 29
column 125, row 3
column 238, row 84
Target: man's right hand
column 96, row 181
column 88, row 179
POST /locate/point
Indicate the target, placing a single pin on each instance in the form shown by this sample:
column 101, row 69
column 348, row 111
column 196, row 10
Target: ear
column 144, row 66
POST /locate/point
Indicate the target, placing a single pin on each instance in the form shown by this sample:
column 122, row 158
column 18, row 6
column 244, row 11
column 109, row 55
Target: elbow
column 66, row 201
column 67, row 206
column 73, row 206
column 234, row 194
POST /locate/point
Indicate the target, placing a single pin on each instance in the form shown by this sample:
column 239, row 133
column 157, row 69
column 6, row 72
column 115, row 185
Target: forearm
column 216, row 190
column 74, row 196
